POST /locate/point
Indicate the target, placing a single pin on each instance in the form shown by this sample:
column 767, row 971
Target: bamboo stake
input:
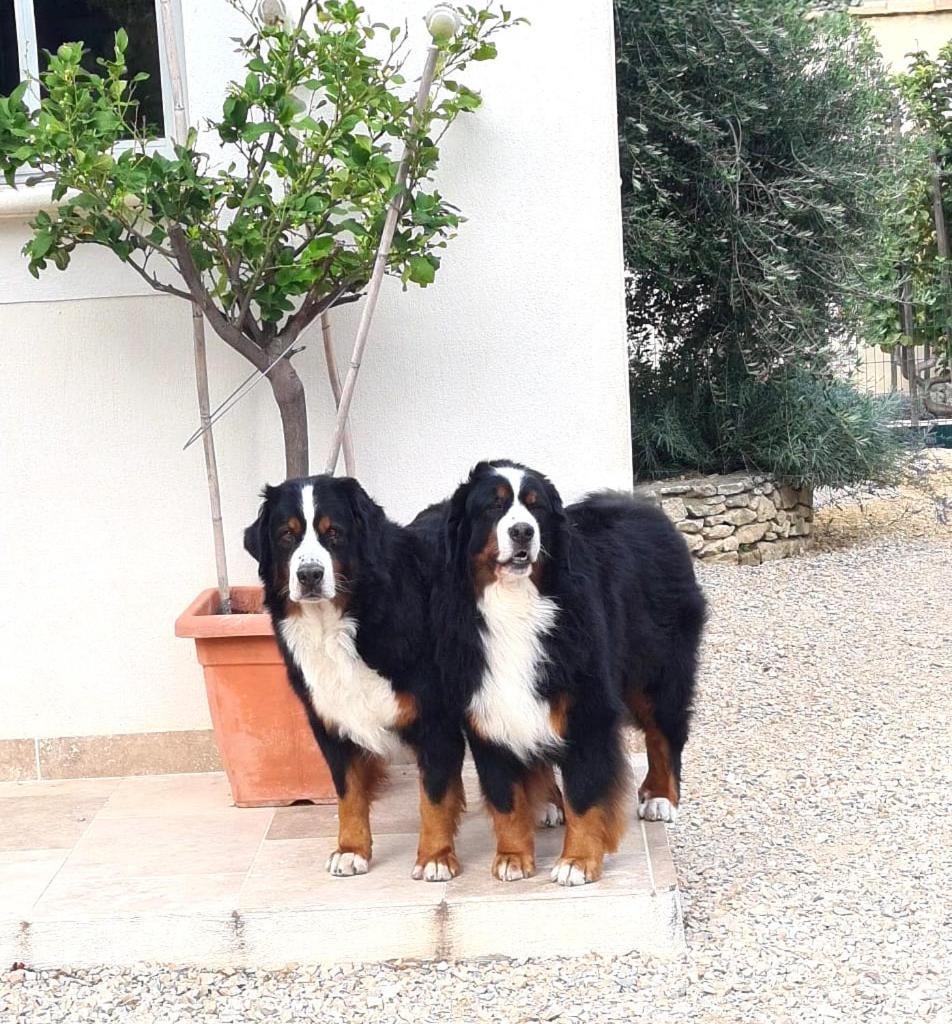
column 330, row 358
column 438, row 15
column 908, row 352
column 180, row 133
column 942, row 246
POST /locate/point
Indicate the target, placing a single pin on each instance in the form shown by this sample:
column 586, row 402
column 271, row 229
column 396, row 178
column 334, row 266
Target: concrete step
column 163, row 869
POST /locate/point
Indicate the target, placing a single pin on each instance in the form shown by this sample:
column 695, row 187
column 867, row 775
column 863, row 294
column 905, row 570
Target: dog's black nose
column 521, row 533
column 310, row 575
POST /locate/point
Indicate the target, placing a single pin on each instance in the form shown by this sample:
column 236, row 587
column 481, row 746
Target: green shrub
column 800, row 427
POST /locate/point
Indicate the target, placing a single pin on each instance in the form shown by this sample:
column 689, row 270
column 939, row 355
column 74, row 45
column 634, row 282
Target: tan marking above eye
column 295, row 525
column 502, row 490
column 530, row 498
column 323, row 525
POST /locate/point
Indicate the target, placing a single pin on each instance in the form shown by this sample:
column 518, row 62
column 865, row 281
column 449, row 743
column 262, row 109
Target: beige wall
column 519, row 350
column 903, row 26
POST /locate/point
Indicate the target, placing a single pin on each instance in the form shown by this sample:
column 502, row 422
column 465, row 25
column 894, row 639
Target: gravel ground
column 814, row 848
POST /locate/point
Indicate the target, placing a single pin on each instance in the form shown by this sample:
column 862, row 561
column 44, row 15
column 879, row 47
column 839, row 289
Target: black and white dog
column 348, row 592
column 558, row 625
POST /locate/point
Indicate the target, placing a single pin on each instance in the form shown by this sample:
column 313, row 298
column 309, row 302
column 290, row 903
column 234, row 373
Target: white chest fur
column 345, row 692
column 507, row 708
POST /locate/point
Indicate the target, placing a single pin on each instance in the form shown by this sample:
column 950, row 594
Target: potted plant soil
column 322, row 153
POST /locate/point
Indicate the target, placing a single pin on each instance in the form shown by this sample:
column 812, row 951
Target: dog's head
column 504, row 523
column 315, row 538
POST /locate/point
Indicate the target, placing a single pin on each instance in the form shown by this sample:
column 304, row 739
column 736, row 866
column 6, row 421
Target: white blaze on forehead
column 518, row 513
column 310, row 550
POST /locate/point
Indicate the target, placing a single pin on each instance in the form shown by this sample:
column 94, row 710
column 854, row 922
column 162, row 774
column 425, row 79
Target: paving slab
column 163, row 869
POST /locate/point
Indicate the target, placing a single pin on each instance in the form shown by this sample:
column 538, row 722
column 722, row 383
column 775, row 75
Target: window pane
column 94, row 22
column 9, row 58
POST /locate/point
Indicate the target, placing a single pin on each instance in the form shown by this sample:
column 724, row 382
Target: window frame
column 28, row 52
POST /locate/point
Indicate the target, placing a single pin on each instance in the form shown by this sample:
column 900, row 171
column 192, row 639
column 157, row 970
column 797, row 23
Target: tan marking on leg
column 515, row 837
column 406, row 710
column 542, row 785
column 365, row 775
column 473, row 722
column 436, row 854
column 559, row 715
column 660, row 780
column 588, row 837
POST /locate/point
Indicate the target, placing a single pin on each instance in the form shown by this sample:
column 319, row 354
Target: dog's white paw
column 551, row 816
column 512, row 867
column 569, row 872
column 658, row 808
column 435, row 870
column 345, row 864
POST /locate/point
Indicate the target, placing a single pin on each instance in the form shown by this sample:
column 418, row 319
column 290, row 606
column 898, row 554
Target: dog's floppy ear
column 258, row 535
column 555, row 499
column 452, row 541
column 370, row 520
column 558, row 542
column 455, row 536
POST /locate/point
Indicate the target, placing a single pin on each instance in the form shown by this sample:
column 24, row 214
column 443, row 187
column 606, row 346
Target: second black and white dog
column 348, row 592
column 557, row 625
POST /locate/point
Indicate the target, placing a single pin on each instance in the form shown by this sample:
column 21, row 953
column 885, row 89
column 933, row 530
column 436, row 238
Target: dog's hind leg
column 547, row 796
column 665, row 735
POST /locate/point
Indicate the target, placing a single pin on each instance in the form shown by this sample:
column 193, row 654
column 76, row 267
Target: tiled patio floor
column 164, row 869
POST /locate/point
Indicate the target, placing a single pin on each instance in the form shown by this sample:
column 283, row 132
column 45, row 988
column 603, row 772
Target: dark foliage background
column 758, row 169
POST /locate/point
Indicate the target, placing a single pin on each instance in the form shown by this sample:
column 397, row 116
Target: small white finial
column 273, row 12
column 443, row 23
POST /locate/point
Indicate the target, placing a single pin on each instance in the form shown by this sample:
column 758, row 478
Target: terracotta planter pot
column 267, row 747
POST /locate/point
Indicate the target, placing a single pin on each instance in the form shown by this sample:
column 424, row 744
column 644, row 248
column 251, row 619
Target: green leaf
column 252, row 132
column 421, row 271
column 122, row 41
column 41, row 244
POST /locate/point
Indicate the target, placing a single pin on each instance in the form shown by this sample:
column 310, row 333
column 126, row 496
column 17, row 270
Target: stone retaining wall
column 739, row 519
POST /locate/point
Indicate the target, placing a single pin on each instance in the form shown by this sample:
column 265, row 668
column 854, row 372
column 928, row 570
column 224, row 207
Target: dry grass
column 917, row 511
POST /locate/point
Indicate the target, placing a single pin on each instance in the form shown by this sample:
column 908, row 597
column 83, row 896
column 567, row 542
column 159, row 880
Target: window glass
column 9, row 57
column 94, row 22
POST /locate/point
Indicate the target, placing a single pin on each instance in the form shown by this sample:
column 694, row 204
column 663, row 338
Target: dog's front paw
column 510, row 867
column 344, row 863
column 576, row 870
column 439, row 867
column 657, row 808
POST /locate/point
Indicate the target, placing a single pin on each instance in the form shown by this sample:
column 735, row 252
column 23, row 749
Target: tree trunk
column 289, row 394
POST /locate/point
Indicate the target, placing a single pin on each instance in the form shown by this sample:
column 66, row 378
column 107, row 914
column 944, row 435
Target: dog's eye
column 332, row 536
column 286, row 539
column 498, row 503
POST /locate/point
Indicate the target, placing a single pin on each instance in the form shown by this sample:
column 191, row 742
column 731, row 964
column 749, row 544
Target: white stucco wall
column 518, row 350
